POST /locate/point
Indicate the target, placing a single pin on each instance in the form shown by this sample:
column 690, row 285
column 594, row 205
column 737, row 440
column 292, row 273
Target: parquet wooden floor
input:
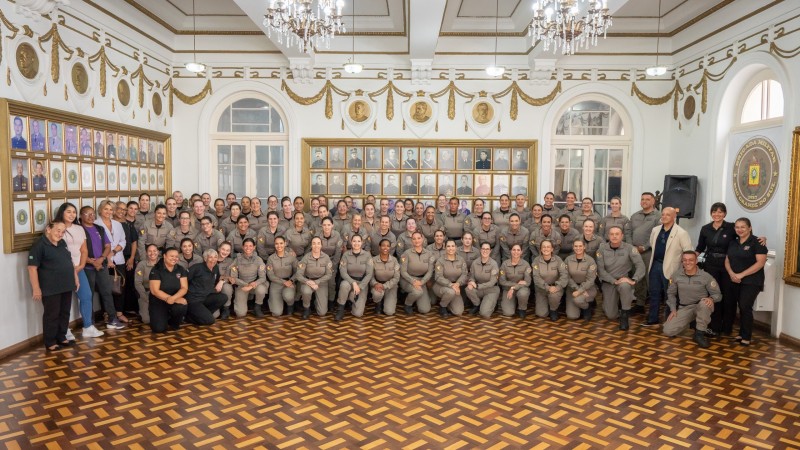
column 402, row 382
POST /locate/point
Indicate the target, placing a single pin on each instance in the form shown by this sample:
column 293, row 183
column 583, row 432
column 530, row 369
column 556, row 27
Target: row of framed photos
column 414, row 184
column 31, row 216
column 47, row 136
column 407, row 157
column 35, row 175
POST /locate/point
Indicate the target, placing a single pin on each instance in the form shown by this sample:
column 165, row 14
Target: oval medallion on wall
column 80, row 79
column 689, row 106
column 157, row 103
column 27, row 60
column 124, row 92
column 755, row 173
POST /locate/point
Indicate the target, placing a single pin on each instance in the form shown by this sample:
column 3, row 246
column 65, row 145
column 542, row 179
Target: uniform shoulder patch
column 502, row 273
column 593, row 267
column 528, row 270
column 330, row 265
column 269, row 267
column 142, row 232
column 634, row 251
column 139, row 272
column 535, row 267
column 438, row 267
column 301, row 265
column 713, row 283
column 403, row 259
column 503, row 238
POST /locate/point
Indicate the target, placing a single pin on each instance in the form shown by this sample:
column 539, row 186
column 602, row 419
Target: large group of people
column 196, row 260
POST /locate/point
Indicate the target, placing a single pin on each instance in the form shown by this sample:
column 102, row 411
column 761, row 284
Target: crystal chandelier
column 302, row 24
column 559, row 23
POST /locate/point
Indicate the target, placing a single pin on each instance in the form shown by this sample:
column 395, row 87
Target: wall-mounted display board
column 419, row 169
column 51, row 156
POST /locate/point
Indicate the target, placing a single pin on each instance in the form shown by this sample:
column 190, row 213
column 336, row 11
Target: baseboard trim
column 789, row 340
column 27, row 344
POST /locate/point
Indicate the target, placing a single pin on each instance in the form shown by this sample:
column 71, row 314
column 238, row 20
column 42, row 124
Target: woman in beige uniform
column 451, row 276
column 281, row 268
column 468, row 251
column 224, row 262
column 142, row 280
column 229, row 225
column 333, row 246
column 356, row 272
column 416, row 268
column 381, row 232
column 313, row 274
column 515, row 280
column 550, row 278
column 473, row 220
column 250, row 274
column 257, row 218
column 188, row 257
column 581, row 288
column 242, row 232
column 298, row 237
column 385, row 278
column 265, row 239
column 590, row 240
column 482, row 289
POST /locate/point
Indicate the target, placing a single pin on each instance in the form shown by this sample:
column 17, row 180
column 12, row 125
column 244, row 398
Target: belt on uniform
column 361, row 278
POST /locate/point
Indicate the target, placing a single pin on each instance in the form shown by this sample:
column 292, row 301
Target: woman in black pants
column 715, row 237
column 53, row 280
column 168, row 285
column 745, row 265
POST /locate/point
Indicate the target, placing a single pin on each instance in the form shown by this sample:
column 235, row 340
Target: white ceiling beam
column 425, row 19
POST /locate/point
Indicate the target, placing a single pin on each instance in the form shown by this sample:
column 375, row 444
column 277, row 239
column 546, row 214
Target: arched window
column 249, row 148
column 590, row 154
column 764, row 102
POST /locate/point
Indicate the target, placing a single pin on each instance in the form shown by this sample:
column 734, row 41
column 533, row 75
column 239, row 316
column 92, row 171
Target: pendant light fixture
column 194, row 66
column 352, row 66
column 494, row 70
column 657, row 70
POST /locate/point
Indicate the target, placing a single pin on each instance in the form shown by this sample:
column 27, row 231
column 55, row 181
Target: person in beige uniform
column 615, row 262
column 468, row 250
column 355, row 228
column 501, row 215
column 473, row 220
column 546, row 232
column 356, row 272
column 187, row 257
column 184, row 230
column 487, row 232
column 265, row 238
column 398, row 218
column 581, row 288
column 257, row 218
column 454, row 222
column 642, row 223
column 691, row 296
column 298, row 237
column 437, row 247
column 154, row 231
column 242, row 232
column 519, row 207
column 342, row 216
column 586, row 212
column 142, row 280
column 385, row 278
column 482, row 289
column 333, row 246
column 250, row 274
column 429, row 224
column 381, row 232
column 281, row 267
column 615, row 218
column 208, row 237
column 228, row 225
column 515, row 281
column 224, row 262
column 313, row 274
column 416, row 268
column 550, row 277
column 514, row 233
column 451, row 275
column 404, row 239
column 590, row 240
column 567, row 235
column 534, row 221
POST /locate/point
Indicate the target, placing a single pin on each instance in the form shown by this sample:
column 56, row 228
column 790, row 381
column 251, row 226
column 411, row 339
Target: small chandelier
column 559, row 23
column 303, row 25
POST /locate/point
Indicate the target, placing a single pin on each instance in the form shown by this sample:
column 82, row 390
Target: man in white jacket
column 668, row 242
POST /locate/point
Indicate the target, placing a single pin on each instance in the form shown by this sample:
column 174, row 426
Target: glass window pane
column 615, row 161
column 276, row 181
column 614, row 183
column 239, row 154
column 250, row 103
column 276, row 123
column 223, row 154
column 600, row 158
column 239, row 180
column 250, row 128
column 562, row 157
column 599, row 192
column 590, row 118
column 250, row 116
column 224, row 178
column 751, row 111
column 576, row 182
column 576, row 158
column 276, row 152
column 262, row 154
column 262, row 181
column 775, row 102
column 224, row 124
column 560, row 183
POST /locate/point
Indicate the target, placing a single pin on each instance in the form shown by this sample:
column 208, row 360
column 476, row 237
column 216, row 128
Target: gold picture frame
column 791, row 264
column 27, row 205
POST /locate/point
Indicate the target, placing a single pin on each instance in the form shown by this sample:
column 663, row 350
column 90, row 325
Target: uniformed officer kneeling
column 697, row 291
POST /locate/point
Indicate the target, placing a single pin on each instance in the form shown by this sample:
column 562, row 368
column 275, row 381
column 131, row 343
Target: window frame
column 758, row 78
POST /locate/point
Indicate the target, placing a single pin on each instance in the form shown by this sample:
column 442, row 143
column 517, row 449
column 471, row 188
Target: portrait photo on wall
column 133, row 146
column 464, row 159
column 39, row 214
column 391, row 159
column 19, row 133
column 520, row 159
column 464, row 185
column 151, row 152
column 355, row 185
column 20, row 176
column 373, row 185
column 501, row 159
column 318, row 157
column 55, row 137
column 446, row 158
column 519, row 185
column 39, row 179
column 484, row 160
column 500, row 186
column 160, row 158
column 428, row 158
column 410, row 158
column 483, row 185
column 390, row 184
column 428, row 186
column 71, row 139
column 355, row 157
column 123, row 178
column 336, row 183
column 73, row 177
column 336, row 160
column 446, row 185
column 410, row 184
column 142, row 150
column 122, row 147
column 87, row 176
column 372, row 160
column 98, row 145
column 318, row 185
column 56, row 176
column 111, row 149
column 22, row 217
column 133, row 178
column 85, row 141
column 112, row 177
column 37, row 138
column 100, row 177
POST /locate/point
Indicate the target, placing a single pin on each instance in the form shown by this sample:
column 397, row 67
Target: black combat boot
column 443, row 311
column 623, row 320
column 290, row 309
column 339, row 313
column 258, row 311
column 553, row 315
column 225, row 314
column 521, row 313
column 409, row 309
column 701, row 339
column 587, row 314
column 378, row 308
column 306, row 312
column 475, row 310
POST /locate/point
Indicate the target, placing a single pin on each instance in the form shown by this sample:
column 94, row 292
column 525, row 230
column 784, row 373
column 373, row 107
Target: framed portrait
column 447, row 185
column 464, row 161
column 38, row 135
column 112, row 175
column 318, row 184
column 134, row 178
column 520, row 159
column 98, row 144
column 111, row 148
column 19, row 132
column 151, row 151
column 71, row 139
column 391, row 158
column 336, row 185
column 336, row 160
column 483, row 185
column 519, row 185
column 427, row 184
column 161, row 181
column 133, row 148
column 20, row 175
column 39, row 180
column 501, row 159
column 428, row 158
column 410, row 158
column 55, row 204
column 390, row 184
column 483, row 161
column 355, row 184
column 355, row 157
column 144, row 180
column 372, row 158
column 55, row 137
column 318, row 160
column 447, row 158
column 85, row 141
column 22, row 217
column 73, row 177
column 40, row 215
column 56, row 176
column 410, row 184
column 152, row 178
column 160, row 158
column 464, row 185
column 123, row 178
column 122, row 147
column 373, row 186
column 501, row 184
column 100, row 177
column 87, row 176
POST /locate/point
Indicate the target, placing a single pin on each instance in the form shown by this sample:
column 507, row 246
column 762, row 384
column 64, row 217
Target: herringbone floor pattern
column 402, row 382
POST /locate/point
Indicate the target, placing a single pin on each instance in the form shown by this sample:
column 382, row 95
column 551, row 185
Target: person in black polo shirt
column 205, row 297
column 53, row 279
column 168, row 286
column 745, row 265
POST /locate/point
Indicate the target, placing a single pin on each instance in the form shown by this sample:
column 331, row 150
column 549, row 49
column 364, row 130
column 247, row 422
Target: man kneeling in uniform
column 694, row 292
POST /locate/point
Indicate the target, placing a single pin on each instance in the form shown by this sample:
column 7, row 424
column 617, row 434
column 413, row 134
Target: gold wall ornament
column 27, row 60
column 673, row 95
column 482, row 112
column 156, row 101
column 326, row 91
column 57, row 44
column 516, row 91
column 171, row 92
column 689, row 107
column 390, row 89
column 142, row 80
column 105, row 64
column 124, row 92
column 451, row 90
column 80, row 78
column 785, row 54
column 14, row 30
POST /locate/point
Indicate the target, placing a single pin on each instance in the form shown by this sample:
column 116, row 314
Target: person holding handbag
column 117, row 238
column 98, row 251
